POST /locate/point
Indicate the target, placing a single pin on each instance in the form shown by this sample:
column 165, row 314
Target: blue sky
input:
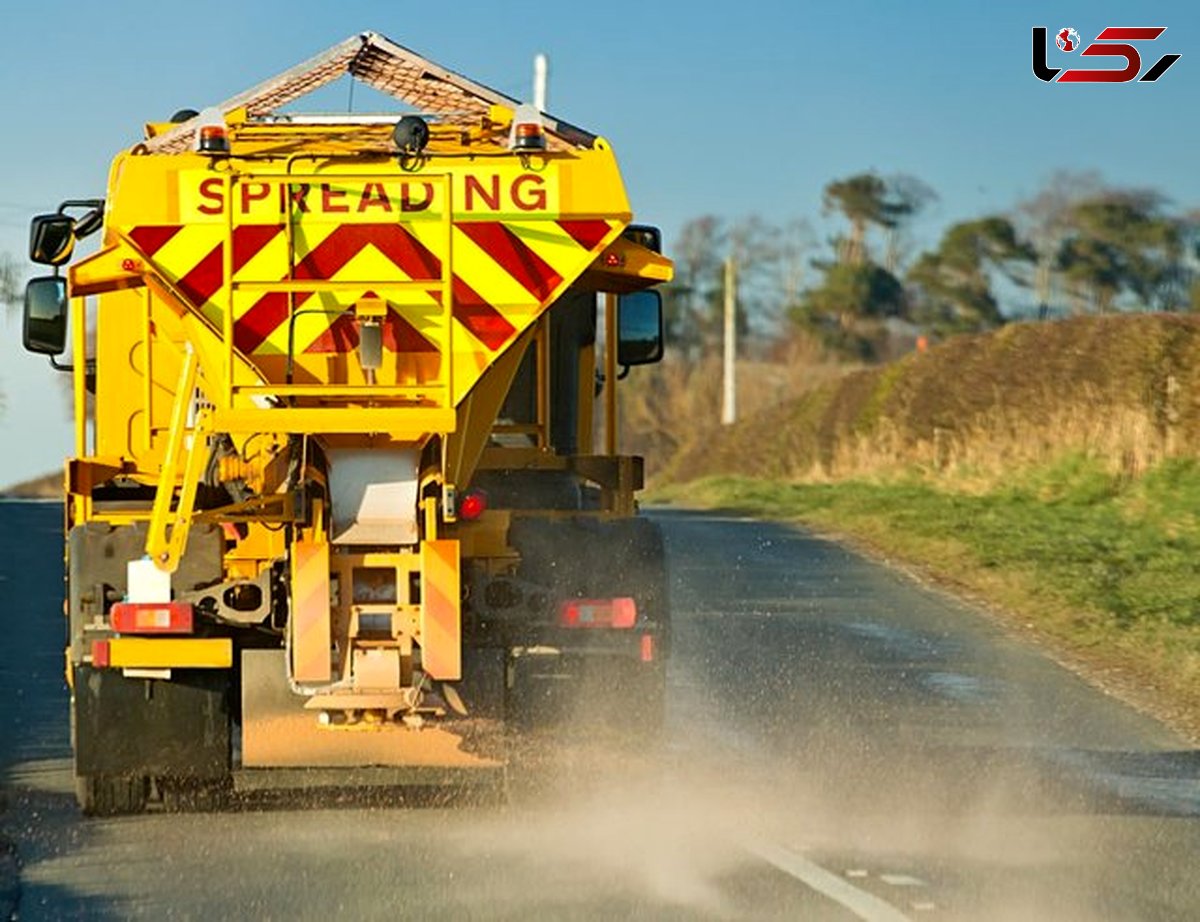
column 725, row 108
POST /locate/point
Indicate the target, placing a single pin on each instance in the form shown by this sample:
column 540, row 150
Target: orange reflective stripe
column 441, row 624
column 310, row 616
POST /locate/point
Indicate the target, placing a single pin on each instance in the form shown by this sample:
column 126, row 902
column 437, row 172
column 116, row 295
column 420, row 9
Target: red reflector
column 647, row 648
column 100, row 653
column 472, row 505
column 618, row 613
column 613, row 260
column 152, row 617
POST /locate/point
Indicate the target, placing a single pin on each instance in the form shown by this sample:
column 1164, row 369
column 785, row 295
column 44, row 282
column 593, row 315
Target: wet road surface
column 841, row 744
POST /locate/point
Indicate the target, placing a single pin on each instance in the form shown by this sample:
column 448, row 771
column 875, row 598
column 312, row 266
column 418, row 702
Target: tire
column 102, row 795
column 192, row 796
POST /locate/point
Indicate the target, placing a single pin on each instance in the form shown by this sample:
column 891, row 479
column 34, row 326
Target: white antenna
column 541, row 70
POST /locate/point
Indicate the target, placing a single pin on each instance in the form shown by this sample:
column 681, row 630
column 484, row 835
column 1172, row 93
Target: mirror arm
column 89, row 367
column 91, row 221
column 91, row 204
column 624, row 373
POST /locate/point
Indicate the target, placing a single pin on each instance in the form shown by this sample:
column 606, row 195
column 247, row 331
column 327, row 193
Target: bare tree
column 693, row 299
column 9, row 290
column 10, row 281
column 1044, row 220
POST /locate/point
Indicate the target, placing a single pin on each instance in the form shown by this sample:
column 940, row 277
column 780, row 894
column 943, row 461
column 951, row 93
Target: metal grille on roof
column 390, row 68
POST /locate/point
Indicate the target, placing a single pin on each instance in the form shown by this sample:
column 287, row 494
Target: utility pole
column 729, row 393
column 541, row 71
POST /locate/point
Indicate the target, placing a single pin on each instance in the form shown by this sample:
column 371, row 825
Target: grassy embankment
column 48, row 487
column 1051, row 470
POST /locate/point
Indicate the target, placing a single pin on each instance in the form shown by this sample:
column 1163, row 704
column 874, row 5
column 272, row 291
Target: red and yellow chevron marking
column 505, row 273
column 310, row 616
column 441, row 624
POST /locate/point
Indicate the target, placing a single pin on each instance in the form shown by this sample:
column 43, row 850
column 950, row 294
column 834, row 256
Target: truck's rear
column 335, row 510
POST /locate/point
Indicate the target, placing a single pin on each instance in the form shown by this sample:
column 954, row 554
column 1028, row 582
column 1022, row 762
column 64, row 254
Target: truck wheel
column 103, row 795
column 190, row 795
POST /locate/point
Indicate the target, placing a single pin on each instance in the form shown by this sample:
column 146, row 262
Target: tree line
column 1078, row 246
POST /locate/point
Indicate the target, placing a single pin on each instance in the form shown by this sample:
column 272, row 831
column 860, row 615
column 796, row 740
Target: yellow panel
column 441, row 616
column 174, row 213
column 556, row 246
column 310, row 615
column 170, row 653
column 483, row 274
column 266, row 263
column 406, row 424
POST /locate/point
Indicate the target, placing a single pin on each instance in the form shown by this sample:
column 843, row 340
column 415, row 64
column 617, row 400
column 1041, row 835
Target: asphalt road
column 841, row 744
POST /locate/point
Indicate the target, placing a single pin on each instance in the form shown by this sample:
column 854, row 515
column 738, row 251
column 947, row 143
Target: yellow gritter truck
column 346, row 499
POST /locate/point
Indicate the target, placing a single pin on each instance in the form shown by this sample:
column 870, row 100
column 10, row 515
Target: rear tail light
column 647, row 648
column 473, row 504
column 152, row 617
column 616, row 613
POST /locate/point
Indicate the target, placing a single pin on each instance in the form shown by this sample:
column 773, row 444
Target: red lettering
column 212, row 189
column 377, row 200
column 297, row 193
column 407, row 204
column 328, row 195
column 253, row 192
column 528, row 199
column 490, row 198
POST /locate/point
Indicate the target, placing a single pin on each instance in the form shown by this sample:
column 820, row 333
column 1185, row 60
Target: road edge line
column 865, row 905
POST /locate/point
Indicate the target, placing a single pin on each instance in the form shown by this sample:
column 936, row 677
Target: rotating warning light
column 212, row 134
column 528, row 133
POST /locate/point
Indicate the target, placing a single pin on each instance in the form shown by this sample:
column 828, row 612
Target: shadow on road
column 42, row 829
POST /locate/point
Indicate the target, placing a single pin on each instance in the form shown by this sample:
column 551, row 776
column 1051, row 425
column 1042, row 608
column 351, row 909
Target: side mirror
column 46, row 315
column 51, row 239
column 639, row 328
column 644, row 235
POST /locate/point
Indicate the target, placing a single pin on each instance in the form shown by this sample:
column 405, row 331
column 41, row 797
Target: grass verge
column 1103, row 568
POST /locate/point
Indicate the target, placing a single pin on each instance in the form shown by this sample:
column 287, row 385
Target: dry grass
column 1125, row 389
column 673, row 410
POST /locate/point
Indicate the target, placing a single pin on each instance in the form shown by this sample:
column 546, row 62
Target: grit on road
column 841, row 743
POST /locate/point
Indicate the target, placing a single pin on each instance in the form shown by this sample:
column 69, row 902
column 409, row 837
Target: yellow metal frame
column 169, row 526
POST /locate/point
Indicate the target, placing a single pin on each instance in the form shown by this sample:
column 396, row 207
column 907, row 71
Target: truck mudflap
column 279, row 732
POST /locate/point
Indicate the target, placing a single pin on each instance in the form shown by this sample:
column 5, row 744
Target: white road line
column 865, row 905
column 901, row 880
